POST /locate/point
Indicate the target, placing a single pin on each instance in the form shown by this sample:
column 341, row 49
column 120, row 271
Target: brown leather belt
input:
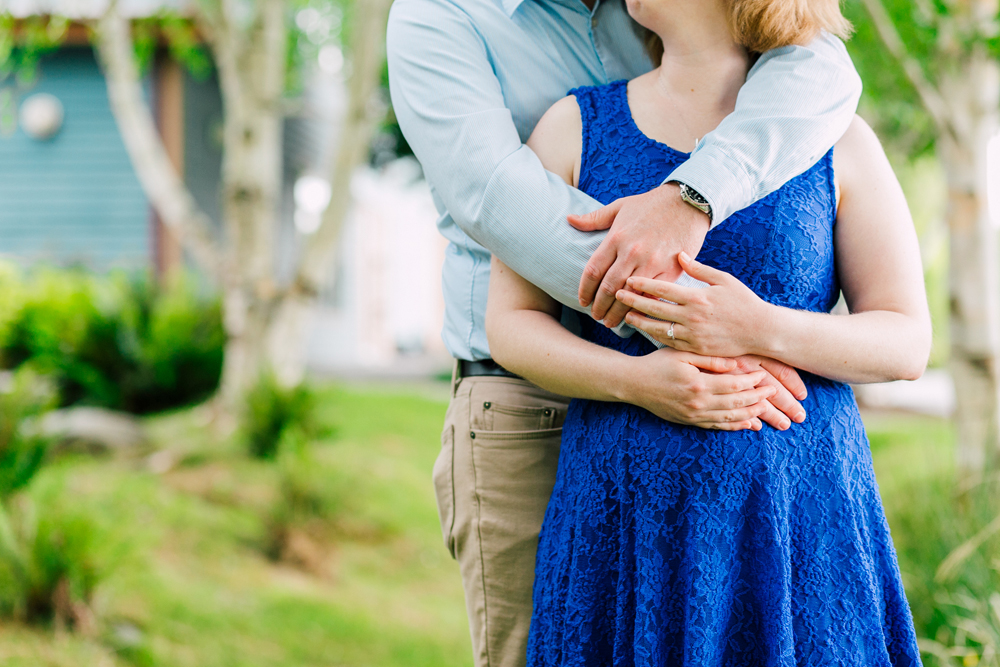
column 486, row 367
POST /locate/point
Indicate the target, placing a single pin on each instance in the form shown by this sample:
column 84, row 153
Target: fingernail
column 785, row 425
column 620, row 294
column 684, row 256
column 800, row 417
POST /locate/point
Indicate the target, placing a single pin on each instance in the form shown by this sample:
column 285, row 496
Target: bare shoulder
column 859, row 159
column 565, row 112
column 558, row 139
column 859, row 145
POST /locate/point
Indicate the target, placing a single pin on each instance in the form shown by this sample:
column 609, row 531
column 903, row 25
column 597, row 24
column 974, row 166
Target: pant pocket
column 444, row 487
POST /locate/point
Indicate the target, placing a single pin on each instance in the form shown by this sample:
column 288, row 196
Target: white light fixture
column 993, row 179
column 41, row 116
column 312, row 196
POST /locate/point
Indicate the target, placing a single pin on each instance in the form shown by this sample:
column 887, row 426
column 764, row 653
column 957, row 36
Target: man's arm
column 796, row 104
column 452, row 111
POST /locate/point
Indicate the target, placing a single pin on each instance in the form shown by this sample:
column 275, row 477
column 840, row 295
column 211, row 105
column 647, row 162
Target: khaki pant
column 493, row 479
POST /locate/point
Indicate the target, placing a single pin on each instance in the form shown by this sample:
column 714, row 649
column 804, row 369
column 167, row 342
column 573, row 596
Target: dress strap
column 600, row 108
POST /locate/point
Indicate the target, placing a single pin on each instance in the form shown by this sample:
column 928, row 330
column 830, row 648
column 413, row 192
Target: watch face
column 694, row 195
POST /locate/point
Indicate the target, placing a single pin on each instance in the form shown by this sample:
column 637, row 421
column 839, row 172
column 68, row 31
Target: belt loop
column 455, row 378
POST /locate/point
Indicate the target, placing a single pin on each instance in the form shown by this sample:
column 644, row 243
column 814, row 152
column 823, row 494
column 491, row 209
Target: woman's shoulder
column 557, row 139
column 858, row 145
column 559, row 136
column 859, row 155
column 859, row 139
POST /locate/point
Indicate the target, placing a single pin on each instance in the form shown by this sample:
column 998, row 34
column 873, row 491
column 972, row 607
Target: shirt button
column 593, row 22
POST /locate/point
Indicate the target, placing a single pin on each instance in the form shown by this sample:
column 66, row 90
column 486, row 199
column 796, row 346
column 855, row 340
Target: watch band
column 691, row 196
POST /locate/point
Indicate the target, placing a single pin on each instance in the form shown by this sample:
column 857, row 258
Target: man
column 469, row 80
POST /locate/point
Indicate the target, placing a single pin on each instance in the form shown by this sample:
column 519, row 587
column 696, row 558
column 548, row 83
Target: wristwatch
column 691, row 196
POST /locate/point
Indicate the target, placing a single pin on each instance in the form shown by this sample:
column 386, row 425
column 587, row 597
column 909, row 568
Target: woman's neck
column 699, row 77
column 700, row 55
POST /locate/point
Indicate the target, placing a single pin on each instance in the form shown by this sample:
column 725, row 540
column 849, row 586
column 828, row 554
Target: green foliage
column 116, row 342
column 307, row 499
column 939, row 35
column 24, row 42
column 21, row 451
column 973, row 634
column 889, row 101
column 179, row 35
column 275, row 415
column 930, row 520
column 49, row 561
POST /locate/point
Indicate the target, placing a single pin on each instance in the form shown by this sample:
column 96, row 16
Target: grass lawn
column 191, row 584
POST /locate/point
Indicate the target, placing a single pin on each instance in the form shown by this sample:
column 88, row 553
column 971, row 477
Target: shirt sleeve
column 451, row 109
column 797, row 103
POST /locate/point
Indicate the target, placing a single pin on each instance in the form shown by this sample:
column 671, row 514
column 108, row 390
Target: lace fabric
column 669, row 545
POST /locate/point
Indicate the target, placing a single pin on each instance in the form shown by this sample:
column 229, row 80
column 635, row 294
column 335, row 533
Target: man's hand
column 648, row 231
column 709, row 392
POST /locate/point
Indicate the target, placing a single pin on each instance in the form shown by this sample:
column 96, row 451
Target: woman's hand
column 709, row 392
column 784, row 406
column 725, row 319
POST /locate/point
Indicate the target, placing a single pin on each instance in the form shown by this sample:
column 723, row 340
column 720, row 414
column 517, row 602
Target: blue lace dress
column 667, row 545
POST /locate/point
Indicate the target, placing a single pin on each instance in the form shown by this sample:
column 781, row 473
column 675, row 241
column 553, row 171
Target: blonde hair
column 762, row 25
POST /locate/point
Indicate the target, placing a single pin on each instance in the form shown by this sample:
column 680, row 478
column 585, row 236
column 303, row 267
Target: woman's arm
column 525, row 335
column 522, row 323
column 887, row 334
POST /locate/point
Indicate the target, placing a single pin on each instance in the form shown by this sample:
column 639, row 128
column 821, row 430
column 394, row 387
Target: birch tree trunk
column 287, row 339
column 965, row 105
column 265, row 323
column 157, row 175
column 252, row 73
column 974, row 289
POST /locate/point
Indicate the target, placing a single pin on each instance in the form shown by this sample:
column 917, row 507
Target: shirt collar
column 510, row 6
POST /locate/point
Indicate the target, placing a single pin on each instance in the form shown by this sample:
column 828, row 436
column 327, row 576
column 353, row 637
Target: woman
column 666, row 544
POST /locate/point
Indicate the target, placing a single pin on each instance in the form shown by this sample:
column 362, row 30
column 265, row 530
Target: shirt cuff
column 719, row 179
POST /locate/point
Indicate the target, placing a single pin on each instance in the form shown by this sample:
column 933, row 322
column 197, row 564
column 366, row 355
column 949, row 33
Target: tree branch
column 163, row 186
column 355, row 138
column 933, row 101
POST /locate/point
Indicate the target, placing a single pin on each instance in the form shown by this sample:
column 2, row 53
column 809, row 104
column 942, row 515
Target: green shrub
column 972, row 634
column 274, row 413
column 304, row 498
column 116, row 341
column 48, row 563
column 27, row 397
column 954, row 601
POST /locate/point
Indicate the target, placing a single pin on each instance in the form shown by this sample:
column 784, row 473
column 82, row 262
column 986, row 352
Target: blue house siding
column 203, row 143
column 74, row 198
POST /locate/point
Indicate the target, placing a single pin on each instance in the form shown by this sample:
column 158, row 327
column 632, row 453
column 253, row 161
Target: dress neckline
column 623, row 91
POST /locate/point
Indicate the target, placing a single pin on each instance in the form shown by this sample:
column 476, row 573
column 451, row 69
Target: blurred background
column 222, row 381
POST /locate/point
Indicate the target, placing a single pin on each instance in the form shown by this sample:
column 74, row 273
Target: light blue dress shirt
column 469, row 80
